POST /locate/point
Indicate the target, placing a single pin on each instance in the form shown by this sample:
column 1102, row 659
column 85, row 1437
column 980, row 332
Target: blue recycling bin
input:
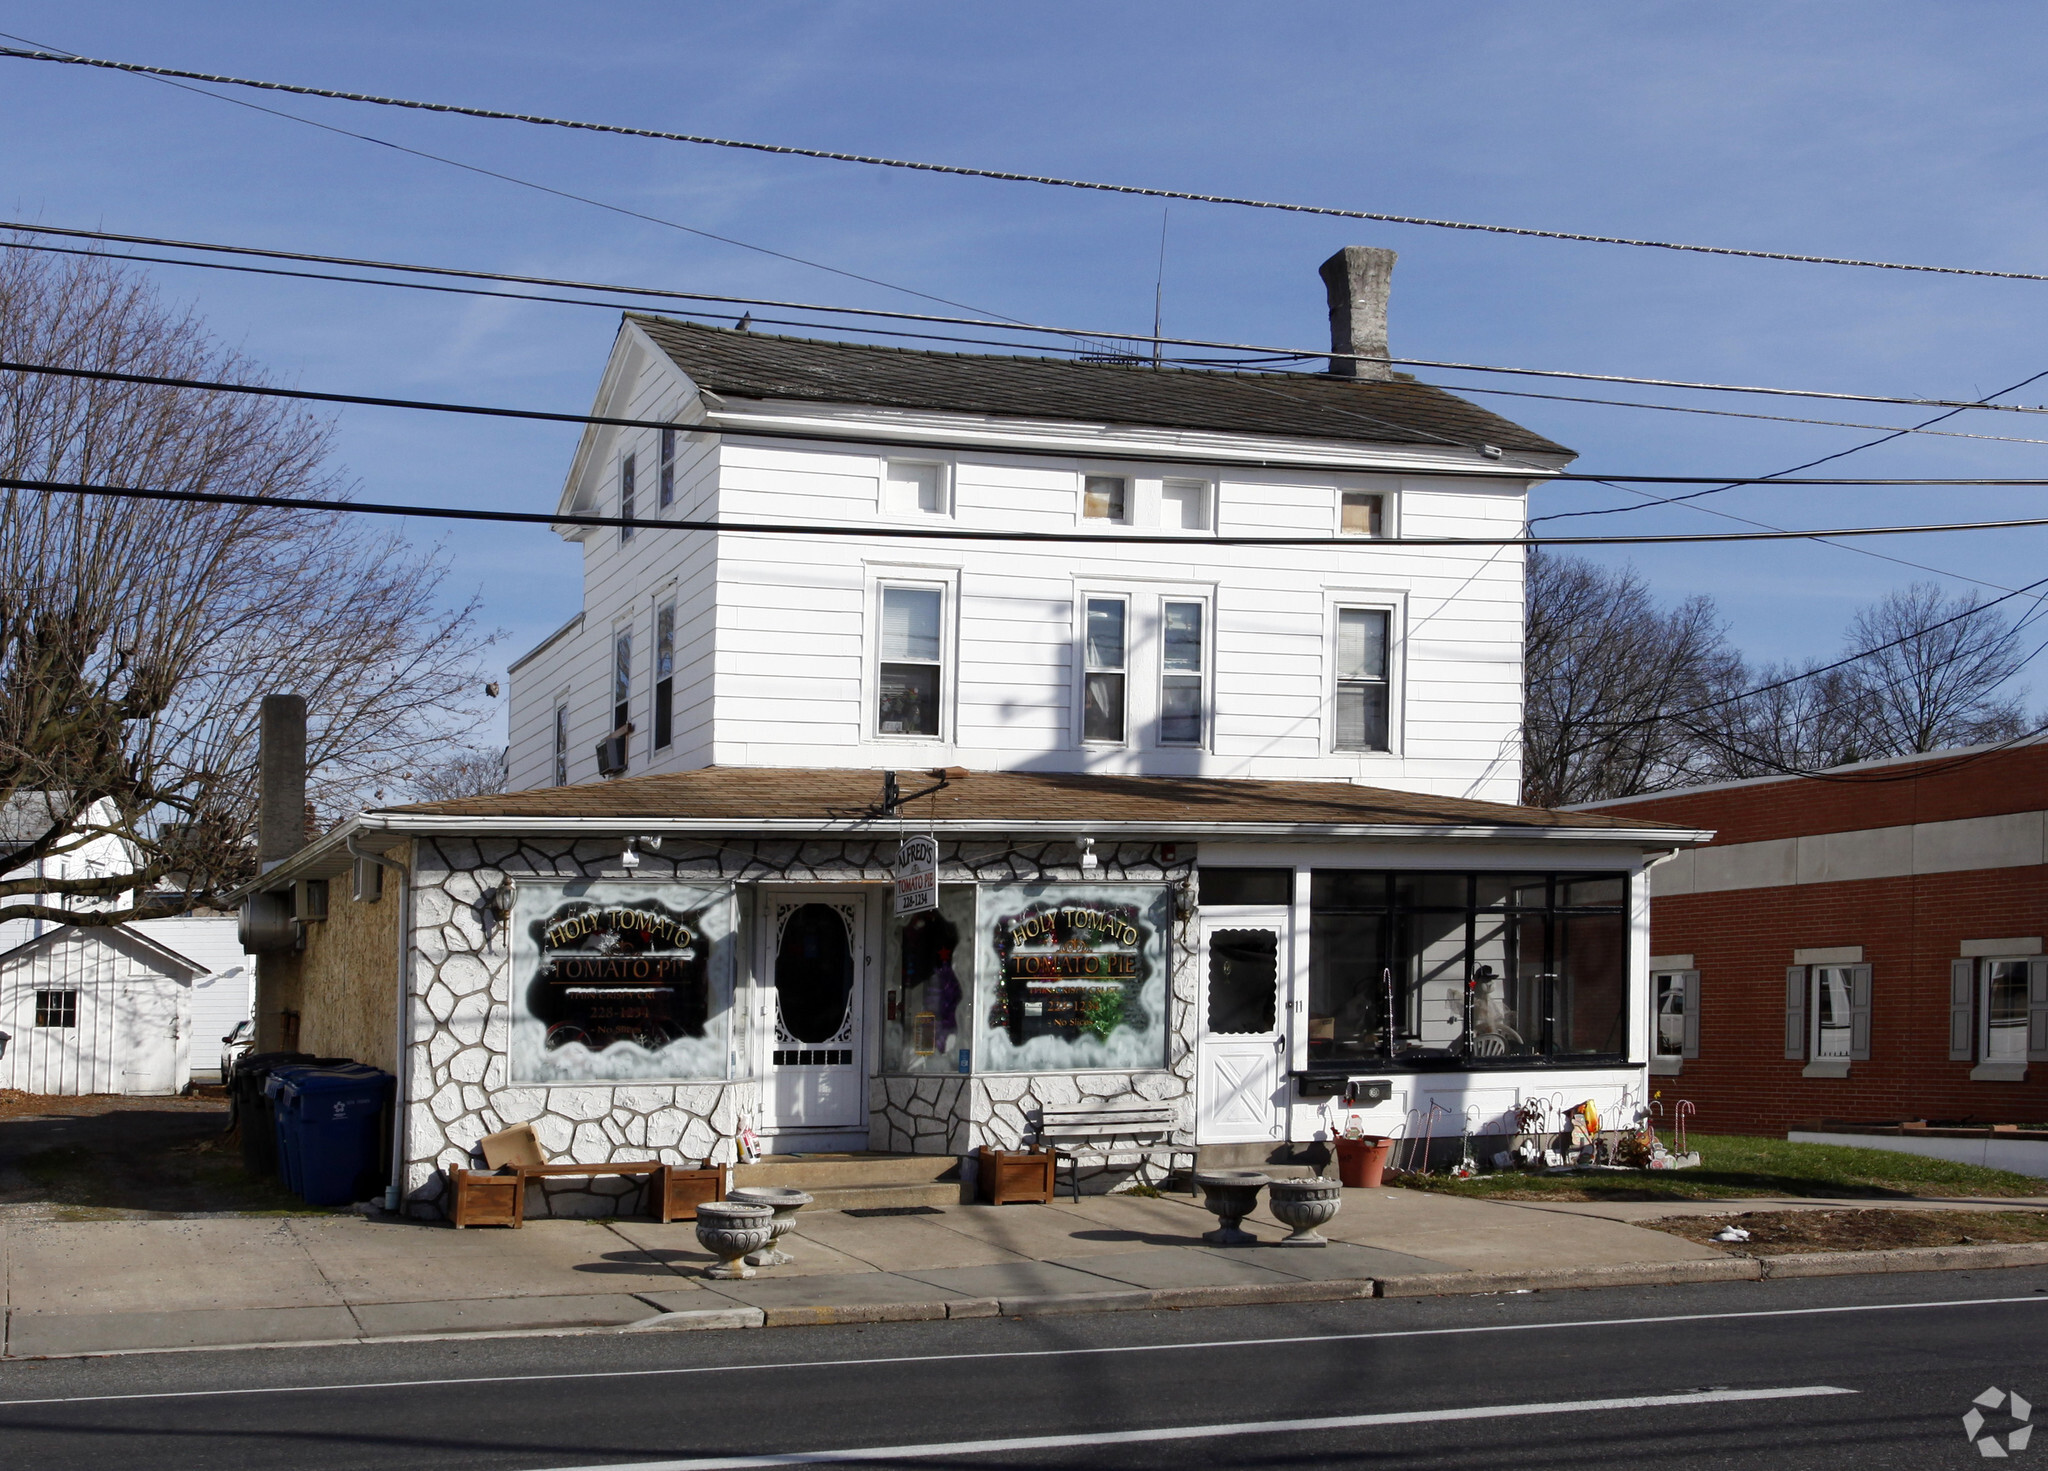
column 331, row 1130
column 283, row 1125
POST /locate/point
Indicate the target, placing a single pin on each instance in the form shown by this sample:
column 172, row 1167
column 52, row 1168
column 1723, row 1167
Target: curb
column 1906, row 1259
column 1622, row 1274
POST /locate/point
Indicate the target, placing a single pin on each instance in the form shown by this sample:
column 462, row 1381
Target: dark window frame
column 57, row 1007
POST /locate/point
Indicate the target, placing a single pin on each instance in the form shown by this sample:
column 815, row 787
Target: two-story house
column 1220, row 822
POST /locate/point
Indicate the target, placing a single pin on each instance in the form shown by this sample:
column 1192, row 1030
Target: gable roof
column 119, row 937
column 759, row 365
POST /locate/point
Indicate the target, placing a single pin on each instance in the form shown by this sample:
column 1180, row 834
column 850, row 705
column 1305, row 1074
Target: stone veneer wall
column 459, row 1016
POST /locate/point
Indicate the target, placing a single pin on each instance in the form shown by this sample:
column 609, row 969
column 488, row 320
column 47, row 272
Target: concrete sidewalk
column 126, row 1286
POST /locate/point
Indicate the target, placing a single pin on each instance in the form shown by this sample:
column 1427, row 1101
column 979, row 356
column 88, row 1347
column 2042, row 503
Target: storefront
column 638, row 983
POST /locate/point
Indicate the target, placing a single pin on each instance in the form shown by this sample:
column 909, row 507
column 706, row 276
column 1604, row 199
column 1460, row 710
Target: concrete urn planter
column 1304, row 1205
column 1231, row 1195
column 785, row 1201
column 729, row 1229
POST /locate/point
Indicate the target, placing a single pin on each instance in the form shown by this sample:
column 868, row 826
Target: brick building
column 1861, row 946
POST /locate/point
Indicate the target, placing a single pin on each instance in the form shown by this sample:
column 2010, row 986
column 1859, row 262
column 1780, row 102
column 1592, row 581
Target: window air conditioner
column 611, row 753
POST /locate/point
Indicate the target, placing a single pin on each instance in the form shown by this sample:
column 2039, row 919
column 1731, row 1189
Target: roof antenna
column 1159, row 285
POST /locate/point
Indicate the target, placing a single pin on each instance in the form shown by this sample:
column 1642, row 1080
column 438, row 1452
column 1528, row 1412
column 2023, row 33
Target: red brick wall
column 1742, row 940
column 1949, row 787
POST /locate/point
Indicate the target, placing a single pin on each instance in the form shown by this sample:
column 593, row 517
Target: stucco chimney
column 281, row 780
column 1358, row 278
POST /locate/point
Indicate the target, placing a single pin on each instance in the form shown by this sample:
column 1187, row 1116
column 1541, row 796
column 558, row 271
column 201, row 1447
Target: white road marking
column 1206, row 1432
column 1019, row 1353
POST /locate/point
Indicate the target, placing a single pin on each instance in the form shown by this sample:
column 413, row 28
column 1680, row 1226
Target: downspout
column 401, row 1065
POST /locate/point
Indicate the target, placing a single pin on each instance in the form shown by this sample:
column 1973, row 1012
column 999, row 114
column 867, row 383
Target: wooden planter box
column 1006, row 1176
column 486, row 1198
column 678, row 1192
column 498, row 1198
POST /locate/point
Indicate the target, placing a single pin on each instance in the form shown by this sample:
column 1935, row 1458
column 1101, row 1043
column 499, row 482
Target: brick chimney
column 1358, row 278
column 281, row 780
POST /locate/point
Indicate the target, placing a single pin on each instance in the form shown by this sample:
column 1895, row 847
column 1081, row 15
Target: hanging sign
column 917, row 876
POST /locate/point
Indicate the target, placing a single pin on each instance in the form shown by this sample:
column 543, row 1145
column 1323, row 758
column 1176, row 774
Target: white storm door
column 816, row 966
column 1241, row 1054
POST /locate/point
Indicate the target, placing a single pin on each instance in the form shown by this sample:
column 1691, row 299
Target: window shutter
column 1859, row 1013
column 1691, row 981
column 1962, row 1011
column 1795, row 1011
column 2037, row 1011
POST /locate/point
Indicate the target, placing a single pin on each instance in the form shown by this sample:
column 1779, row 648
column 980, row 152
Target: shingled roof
column 833, row 796
column 758, row 365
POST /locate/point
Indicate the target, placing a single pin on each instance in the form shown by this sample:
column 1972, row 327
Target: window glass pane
column 622, row 678
column 2005, row 1011
column 665, row 641
column 1338, row 888
column 1184, row 505
column 1361, row 717
column 910, row 623
column 1433, row 1009
column 1180, row 710
column 928, row 1009
column 1102, row 708
column 1102, row 498
column 1513, row 890
column 914, row 488
column 1830, row 1011
column 1430, row 890
column 1364, row 514
column 1505, row 1022
column 1074, row 976
column 1362, row 643
column 1591, row 1003
column 1580, row 893
column 1244, row 981
column 909, row 703
column 1183, row 637
column 1247, row 885
column 1669, row 989
column 626, row 496
column 1347, row 959
column 668, row 466
column 1106, row 633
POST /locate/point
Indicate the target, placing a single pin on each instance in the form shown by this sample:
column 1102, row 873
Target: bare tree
column 137, row 638
column 1606, row 669
column 462, row 773
column 1936, row 676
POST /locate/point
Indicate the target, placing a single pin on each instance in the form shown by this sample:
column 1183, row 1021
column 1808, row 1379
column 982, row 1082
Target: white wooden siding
column 133, row 1029
column 776, row 650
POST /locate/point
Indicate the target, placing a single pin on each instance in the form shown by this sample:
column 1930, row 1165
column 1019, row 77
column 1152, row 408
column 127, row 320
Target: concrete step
column 1284, row 1161
column 883, row 1197
column 816, row 1172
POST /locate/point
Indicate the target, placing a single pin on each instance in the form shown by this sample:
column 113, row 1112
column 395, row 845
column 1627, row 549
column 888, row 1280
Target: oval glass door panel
column 814, row 974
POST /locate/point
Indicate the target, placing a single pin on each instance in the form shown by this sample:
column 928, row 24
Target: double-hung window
column 1827, row 1017
column 664, row 674
column 561, row 748
column 1675, row 1002
column 1105, row 684
column 909, row 677
column 1998, row 1015
column 626, row 497
column 622, row 679
column 1362, row 694
column 667, row 478
column 1180, row 678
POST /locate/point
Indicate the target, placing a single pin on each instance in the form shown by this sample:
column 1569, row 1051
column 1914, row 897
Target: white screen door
column 1241, row 1057
column 815, row 966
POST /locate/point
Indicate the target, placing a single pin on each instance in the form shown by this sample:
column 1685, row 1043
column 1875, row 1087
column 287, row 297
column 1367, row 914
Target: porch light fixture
column 630, row 859
column 1089, row 862
column 500, row 899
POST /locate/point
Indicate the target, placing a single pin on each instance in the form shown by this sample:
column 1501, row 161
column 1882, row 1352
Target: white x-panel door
column 1241, row 1053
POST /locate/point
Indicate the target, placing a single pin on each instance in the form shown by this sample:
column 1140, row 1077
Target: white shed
column 94, row 1009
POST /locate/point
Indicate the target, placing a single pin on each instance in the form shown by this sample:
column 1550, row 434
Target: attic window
column 1105, row 498
column 1362, row 513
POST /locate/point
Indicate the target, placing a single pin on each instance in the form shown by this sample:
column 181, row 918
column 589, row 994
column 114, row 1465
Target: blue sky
column 1902, row 132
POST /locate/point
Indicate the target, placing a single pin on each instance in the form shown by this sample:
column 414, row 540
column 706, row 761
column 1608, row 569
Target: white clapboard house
column 1222, row 828
column 135, row 1008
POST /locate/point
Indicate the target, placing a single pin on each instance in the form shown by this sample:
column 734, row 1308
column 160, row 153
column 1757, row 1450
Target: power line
column 442, row 406
column 1105, row 541
column 1030, row 328
column 1006, row 176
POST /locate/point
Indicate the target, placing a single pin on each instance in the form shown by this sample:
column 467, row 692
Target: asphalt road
column 1872, row 1372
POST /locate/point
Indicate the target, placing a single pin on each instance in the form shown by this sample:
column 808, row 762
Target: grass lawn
column 1735, row 1165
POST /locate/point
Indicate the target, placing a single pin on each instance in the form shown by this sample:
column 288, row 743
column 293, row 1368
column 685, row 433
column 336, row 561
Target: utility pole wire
column 1006, row 176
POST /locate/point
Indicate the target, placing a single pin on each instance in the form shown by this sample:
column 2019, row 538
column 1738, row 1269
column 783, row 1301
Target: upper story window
column 1181, row 668
column 626, row 497
column 664, row 673
column 1362, row 696
column 1184, row 505
column 622, row 679
column 667, row 478
column 1104, row 686
column 909, row 673
column 1105, row 498
column 1362, row 513
column 912, row 489
column 561, row 748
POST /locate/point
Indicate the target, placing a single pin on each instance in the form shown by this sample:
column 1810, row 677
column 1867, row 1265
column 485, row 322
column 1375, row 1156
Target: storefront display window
column 928, row 987
column 1074, row 977
column 618, row 982
column 1461, row 968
